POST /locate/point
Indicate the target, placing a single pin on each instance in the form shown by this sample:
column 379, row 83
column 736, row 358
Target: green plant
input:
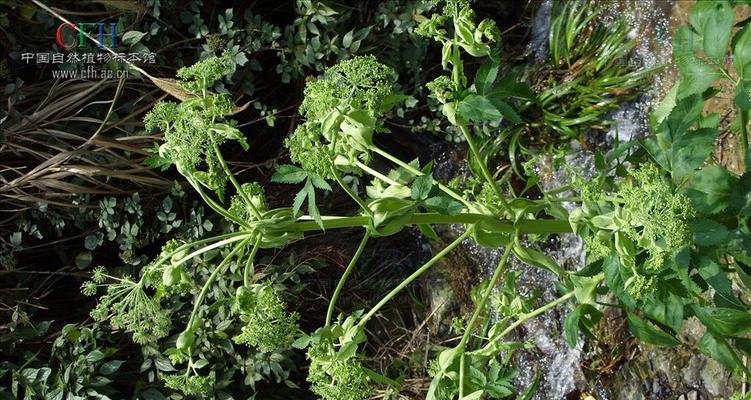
column 590, row 71
column 668, row 239
column 82, row 365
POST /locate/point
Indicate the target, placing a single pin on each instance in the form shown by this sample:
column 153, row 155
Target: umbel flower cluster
column 127, row 306
column 341, row 112
column 268, row 326
column 646, row 223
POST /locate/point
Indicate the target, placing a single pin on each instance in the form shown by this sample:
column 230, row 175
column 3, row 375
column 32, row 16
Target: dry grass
column 56, row 149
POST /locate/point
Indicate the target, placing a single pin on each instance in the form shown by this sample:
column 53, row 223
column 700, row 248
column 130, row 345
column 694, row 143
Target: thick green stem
column 525, row 317
column 166, row 257
column 376, row 174
column 743, row 141
column 250, row 262
column 235, row 183
column 503, row 226
column 210, row 281
column 414, row 276
column 484, row 169
column 213, row 204
column 499, row 270
column 417, row 172
column 213, row 246
column 343, row 279
column 351, row 192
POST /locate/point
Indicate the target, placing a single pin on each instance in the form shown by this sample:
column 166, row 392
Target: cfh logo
column 79, row 31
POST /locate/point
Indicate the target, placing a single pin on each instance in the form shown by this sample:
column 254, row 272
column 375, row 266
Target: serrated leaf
column 477, row 108
column 486, row 76
column 697, row 74
column 724, row 321
column 443, row 205
column 507, row 111
column 299, row 200
column 421, row 187
column 710, row 189
column 665, row 107
column 719, row 349
column 713, row 274
column 320, row 183
column 690, row 151
column 713, row 20
column 648, row 333
column 708, row 232
column 742, row 52
column 289, row 174
column 312, row 207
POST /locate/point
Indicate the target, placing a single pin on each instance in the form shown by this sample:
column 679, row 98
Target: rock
column 714, row 377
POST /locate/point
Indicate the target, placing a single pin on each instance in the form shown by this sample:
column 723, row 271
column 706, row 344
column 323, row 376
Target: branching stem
column 210, row 281
column 417, row 172
column 343, row 279
column 499, row 270
column 351, row 192
column 414, row 276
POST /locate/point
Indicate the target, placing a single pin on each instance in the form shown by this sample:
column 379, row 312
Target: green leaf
column 708, row 232
column 664, row 108
column 320, row 183
column 301, row 342
column 443, row 205
column 742, row 52
column 347, row 39
column 611, row 265
column 390, row 215
column 719, row 349
column 584, row 318
column 665, row 146
column 537, row 258
column 110, row 367
column 131, row 38
column 743, row 95
column 477, row 108
column 486, row 75
column 666, row 308
column 312, row 207
column 95, row 356
column 690, row 151
column 713, row 20
column 428, row 231
column 299, row 200
column 710, row 189
column 83, row 259
column 648, row 333
column 585, row 287
column 289, row 174
column 507, row 111
column 724, row 321
column 91, row 242
column 712, row 273
column 509, row 86
column 474, row 395
column 421, row 187
column 697, row 75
